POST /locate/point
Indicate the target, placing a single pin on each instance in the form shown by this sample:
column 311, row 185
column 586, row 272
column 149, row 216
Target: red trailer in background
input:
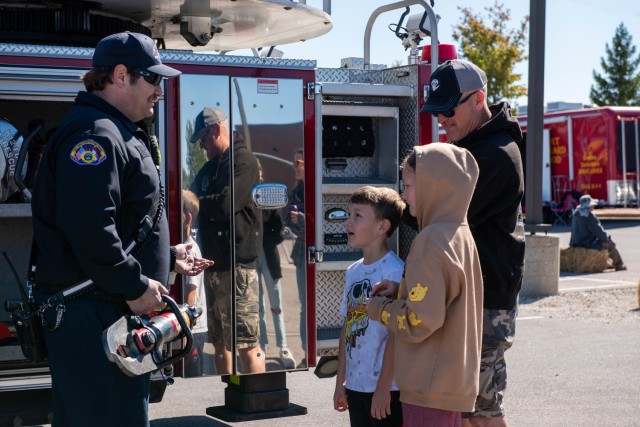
column 590, row 151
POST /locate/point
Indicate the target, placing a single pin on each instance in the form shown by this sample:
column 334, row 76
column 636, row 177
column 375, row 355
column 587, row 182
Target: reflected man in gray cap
column 458, row 98
column 212, row 185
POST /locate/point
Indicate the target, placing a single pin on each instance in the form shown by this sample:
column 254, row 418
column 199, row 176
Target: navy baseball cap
column 207, row 117
column 448, row 82
column 133, row 50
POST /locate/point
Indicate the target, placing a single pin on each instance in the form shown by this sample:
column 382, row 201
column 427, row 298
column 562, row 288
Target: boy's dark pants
column 360, row 410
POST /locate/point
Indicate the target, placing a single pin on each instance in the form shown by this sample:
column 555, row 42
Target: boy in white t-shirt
column 194, row 287
column 364, row 382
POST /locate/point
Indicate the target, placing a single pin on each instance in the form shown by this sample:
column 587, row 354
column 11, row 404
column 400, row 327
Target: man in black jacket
column 458, row 98
column 213, row 187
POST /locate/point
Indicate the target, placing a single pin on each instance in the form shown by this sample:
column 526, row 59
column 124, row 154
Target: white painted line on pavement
column 595, row 288
column 530, row 318
column 586, row 279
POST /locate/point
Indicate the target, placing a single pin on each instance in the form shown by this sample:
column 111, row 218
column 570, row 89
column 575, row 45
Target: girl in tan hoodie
column 436, row 320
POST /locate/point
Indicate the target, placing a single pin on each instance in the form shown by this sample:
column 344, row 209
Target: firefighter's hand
column 151, row 300
column 182, row 251
column 381, row 404
column 386, row 288
column 192, row 266
column 340, row 399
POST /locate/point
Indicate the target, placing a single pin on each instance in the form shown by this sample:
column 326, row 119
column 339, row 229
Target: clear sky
column 576, row 34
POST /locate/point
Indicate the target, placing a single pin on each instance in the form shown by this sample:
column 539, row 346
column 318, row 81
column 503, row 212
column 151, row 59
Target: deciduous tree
column 494, row 47
column 196, row 157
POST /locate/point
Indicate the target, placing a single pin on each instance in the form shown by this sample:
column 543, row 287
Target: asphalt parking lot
column 561, row 374
column 576, row 372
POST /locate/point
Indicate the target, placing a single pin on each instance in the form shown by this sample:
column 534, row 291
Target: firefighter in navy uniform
column 96, row 183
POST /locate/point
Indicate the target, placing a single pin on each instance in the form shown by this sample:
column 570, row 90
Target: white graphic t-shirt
column 365, row 339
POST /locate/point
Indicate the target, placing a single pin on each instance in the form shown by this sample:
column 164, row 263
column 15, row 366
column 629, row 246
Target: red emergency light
column 445, row 53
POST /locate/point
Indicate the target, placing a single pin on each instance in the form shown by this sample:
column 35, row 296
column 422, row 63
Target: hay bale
column 583, row 260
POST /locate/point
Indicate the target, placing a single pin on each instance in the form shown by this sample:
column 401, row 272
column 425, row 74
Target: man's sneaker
column 286, row 358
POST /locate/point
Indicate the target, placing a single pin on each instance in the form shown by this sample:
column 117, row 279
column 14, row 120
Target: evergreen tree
column 494, row 48
column 619, row 84
column 196, row 157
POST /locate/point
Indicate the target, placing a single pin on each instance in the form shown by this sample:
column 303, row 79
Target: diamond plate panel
column 329, row 290
column 406, row 236
column 407, row 75
column 335, row 199
column 408, row 130
column 338, row 75
column 348, row 75
column 356, row 167
column 182, row 57
column 15, row 49
column 366, row 76
column 168, row 56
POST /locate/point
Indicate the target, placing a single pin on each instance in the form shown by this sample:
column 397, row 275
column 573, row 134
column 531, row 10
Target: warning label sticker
column 267, row 86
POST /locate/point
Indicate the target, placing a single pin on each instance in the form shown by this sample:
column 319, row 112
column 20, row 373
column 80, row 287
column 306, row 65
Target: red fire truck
column 591, row 150
column 353, row 124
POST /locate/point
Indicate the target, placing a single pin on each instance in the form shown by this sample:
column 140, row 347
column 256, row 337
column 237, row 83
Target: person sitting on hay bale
column 587, row 232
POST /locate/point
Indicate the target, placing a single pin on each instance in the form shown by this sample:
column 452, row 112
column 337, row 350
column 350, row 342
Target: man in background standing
column 458, row 98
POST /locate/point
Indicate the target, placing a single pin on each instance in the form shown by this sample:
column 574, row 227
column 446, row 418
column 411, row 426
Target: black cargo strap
column 58, row 300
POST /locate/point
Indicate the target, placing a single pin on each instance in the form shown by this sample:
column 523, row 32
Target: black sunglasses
column 150, row 77
column 452, row 112
column 204, row 136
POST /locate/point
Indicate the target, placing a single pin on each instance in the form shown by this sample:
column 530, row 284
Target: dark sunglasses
column 150, row 77
column 203, row 138
column 452, row 112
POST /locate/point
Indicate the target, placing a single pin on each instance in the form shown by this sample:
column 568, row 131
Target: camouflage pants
column 218, row 293
column 498, row 330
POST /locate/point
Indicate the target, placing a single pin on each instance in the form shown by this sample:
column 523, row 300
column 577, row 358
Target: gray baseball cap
column 207, row 117
column 448, row 82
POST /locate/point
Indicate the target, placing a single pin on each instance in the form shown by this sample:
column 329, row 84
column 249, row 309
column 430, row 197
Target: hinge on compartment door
column 311, row 91
column 314, row 256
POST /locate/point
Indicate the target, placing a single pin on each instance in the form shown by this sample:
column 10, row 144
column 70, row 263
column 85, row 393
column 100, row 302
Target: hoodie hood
column 446, row 176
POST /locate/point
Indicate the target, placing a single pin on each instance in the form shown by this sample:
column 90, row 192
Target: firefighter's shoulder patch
column 88, row 153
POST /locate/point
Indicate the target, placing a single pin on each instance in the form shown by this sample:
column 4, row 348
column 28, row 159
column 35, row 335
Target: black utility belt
column 92, row 292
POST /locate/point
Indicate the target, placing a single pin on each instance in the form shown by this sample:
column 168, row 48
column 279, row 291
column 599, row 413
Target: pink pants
column 418, row 416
